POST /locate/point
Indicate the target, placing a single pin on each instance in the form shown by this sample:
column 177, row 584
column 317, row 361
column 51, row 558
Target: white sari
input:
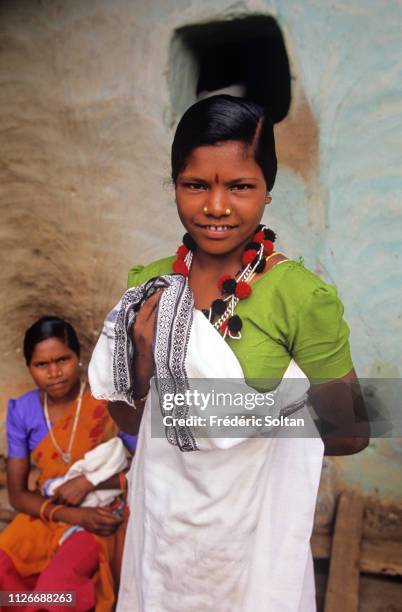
column 227, row 526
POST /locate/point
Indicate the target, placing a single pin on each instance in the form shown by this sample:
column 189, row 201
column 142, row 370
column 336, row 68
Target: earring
column 205, row 209
column 227, row 212
column 268, row 198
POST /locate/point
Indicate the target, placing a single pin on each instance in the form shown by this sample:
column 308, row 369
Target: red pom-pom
column 248, row 256
column 243, row 290
column 179, row 267
column 268, row 247
column 259, row 237
column 222, row 279
column 224, row 327
column 182, row 251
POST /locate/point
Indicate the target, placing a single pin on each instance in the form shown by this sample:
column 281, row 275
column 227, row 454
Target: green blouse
column 291, row 313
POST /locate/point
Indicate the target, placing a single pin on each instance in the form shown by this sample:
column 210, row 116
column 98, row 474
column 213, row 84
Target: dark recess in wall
column 250, row 51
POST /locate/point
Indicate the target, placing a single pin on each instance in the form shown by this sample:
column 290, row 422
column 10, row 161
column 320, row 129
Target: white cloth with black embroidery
column 227, row 527
column 110, row 371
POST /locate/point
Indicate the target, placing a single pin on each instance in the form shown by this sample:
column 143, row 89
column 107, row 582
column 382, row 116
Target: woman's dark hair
column 49, row 327
column 222, row 118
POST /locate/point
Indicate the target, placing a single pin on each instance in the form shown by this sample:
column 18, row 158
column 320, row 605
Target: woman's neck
column 204, row 274
column 229, row 263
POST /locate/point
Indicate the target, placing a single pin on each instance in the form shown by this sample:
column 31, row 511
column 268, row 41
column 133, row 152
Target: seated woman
column 53, row 544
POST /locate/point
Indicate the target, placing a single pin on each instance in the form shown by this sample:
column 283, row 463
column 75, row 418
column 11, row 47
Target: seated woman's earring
column 268, row 198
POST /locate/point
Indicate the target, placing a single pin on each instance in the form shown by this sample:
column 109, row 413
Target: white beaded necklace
column 65, row 455
column 246, row 274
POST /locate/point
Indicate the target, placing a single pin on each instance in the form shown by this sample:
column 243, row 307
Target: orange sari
column 31, row 543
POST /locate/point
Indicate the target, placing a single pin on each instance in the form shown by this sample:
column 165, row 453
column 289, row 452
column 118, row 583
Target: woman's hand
column 97, row 520
column 74, row 491
column 143, row 335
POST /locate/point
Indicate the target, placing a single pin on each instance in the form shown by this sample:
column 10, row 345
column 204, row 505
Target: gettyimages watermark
column 233, row 408
column 208, row 403
column 212, row 398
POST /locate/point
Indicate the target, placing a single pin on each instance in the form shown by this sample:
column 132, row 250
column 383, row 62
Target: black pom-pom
column 189, row 242
column 261, row 266
column 259, row 228
column 235, row 324
column 269, row 234
column 218, row 307
column 229, row 285
column 255, row 246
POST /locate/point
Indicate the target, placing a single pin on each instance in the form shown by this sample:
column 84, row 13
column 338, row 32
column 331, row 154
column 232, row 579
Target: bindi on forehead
column 217, row 178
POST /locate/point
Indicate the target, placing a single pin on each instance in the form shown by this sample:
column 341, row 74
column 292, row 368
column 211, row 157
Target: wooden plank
column 381, row 557
column 344, row 569
column 379, row 595
column 376, row 556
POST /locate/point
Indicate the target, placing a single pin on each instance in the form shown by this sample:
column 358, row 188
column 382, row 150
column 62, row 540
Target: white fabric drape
column 97, row 465
column 226, row 528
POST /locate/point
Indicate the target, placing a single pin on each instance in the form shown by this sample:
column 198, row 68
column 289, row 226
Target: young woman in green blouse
column 227, row 528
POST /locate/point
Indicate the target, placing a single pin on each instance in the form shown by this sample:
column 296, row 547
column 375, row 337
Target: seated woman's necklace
column 232, row 288
column 65, row 455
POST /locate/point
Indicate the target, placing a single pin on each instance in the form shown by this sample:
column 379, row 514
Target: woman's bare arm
column 96, row 520
column 127, row 418
column 19, row 495
column 74, row 491
column 343, row 418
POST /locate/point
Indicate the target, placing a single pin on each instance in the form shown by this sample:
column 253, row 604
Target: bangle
column 122, row 481
column 53, row 512
column 141, row 400
column 42, row 509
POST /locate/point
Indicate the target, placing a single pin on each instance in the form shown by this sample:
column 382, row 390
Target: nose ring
column 227, row 211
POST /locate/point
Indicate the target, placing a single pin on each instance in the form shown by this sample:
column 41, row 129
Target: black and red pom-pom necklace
column 232, row 288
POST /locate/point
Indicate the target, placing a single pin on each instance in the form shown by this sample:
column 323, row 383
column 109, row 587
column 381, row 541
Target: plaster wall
column 85, row 127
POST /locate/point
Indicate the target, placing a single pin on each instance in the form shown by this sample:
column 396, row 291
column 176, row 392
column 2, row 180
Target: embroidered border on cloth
column 172, row 332
column 170, row 349
column 123, row 321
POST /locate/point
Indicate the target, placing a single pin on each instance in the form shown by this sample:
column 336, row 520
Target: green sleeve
column 141, row 274
column 320, row 343
column 134, row 276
